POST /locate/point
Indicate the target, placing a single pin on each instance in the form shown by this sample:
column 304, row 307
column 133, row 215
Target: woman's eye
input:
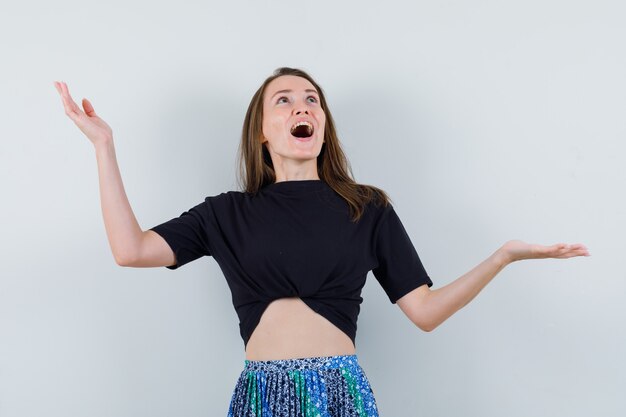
column 283, row 97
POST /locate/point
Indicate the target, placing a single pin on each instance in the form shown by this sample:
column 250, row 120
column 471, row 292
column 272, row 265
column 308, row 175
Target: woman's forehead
column 289, row 82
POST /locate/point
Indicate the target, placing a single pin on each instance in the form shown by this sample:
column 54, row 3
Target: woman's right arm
column 129, row 244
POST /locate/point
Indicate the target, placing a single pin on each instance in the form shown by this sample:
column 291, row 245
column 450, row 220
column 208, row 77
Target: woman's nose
column 300, row 107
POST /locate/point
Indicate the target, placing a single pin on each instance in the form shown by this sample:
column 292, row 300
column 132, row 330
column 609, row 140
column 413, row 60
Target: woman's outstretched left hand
column 516, row 250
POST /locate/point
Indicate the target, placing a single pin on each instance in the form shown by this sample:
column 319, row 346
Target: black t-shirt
column 296, row 239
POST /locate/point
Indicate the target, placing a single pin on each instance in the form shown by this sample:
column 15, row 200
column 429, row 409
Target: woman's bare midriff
column 291, row 329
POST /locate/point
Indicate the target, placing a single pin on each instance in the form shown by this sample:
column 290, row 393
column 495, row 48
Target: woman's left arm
column 429, row 308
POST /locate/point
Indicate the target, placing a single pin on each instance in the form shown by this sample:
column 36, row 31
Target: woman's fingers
column 71, row 108
column 577, row 250
column 89, row 111
column 67, row 99
column 564, row 250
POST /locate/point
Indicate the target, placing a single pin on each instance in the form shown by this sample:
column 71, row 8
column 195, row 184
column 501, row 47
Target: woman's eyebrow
column 289, row 91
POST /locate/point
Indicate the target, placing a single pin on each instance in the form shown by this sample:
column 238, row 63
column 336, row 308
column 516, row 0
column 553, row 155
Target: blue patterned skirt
column 323, row 386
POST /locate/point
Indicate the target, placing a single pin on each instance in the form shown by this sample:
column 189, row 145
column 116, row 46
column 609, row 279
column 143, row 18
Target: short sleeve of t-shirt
column 188, row 234
column 399, row 269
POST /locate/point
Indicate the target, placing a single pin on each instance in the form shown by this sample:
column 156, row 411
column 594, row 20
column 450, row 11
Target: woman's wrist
column 503, row 257
column 105, row 144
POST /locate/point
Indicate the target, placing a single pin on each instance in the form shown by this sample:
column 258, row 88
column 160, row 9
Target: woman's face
column 283, row 109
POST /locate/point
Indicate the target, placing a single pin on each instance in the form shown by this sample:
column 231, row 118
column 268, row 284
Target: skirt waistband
column 317, row 362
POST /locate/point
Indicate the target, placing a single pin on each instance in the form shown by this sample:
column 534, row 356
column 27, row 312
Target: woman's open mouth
column 302, row 131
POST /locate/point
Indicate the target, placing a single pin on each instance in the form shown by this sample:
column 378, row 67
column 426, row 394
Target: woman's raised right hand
column 96, row 129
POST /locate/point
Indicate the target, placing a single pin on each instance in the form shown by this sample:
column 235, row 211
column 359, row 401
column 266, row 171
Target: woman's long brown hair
column 256, row 169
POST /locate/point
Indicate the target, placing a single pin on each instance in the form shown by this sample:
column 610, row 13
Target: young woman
column 295, row 246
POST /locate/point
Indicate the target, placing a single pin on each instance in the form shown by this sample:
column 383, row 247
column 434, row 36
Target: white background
column 484, row 120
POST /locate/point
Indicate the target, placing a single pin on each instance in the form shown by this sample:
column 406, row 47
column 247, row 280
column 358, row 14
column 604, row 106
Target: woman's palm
column 96, row 129
column 518, row 250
